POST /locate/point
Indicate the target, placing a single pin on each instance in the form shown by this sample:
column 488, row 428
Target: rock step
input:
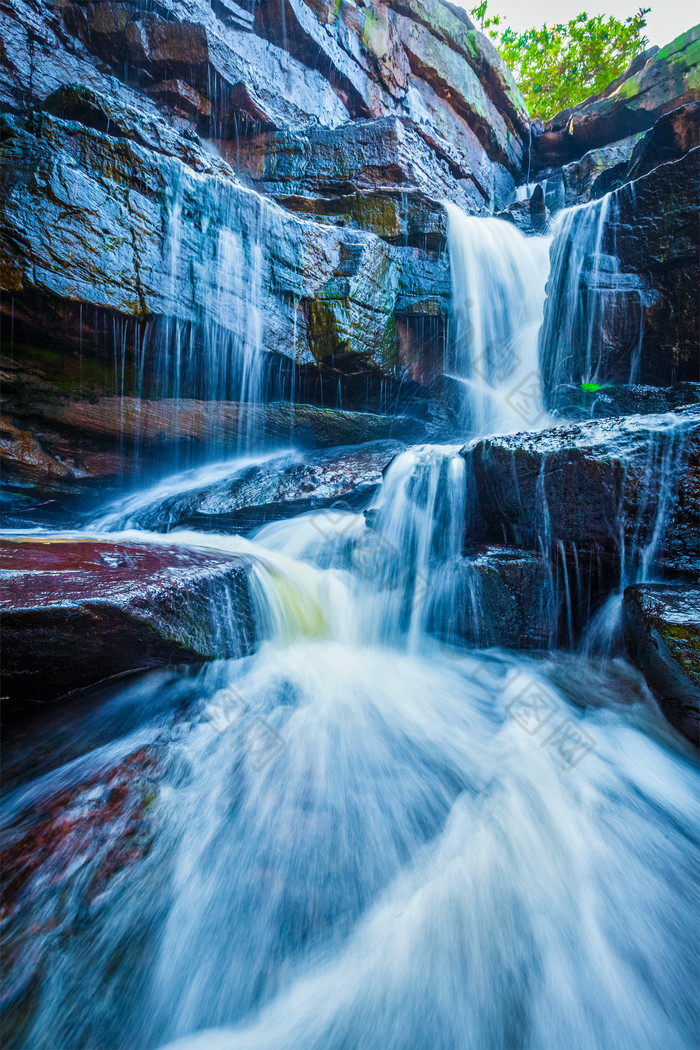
column 77, row 611
column 612, row 486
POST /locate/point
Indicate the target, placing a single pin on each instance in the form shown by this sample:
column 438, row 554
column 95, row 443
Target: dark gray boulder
column 624, row 488
column 662, row 632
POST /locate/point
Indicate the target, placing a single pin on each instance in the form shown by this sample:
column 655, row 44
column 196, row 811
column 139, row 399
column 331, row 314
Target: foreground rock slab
column 77, row 611
column 662, row 632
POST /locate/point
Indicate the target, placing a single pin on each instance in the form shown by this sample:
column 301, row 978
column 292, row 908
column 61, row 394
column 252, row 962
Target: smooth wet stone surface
column 76, row 611
column 662, row 632
column 506, row 599
column 601, row 400
column 109, row 438
column 592, row 485
column 280, row 487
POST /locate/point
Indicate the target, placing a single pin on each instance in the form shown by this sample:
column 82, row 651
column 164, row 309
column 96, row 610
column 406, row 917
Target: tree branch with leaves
column 560, row 65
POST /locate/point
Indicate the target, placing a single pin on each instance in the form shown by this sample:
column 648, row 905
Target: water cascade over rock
column 350, row 549
column 498, row 288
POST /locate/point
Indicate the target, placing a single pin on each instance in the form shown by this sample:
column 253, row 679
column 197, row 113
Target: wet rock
column 623, row 488
column 281, row 487
column 105, row 183
column 40, row 54
column 181, row 98
column 120, row 119
column 77, row 611
column 292, row 25
column 356, row 172
column 673, row 135
column 22, row 457
column 655, row 235
column 631, row 262
column 253, row 80
column 101, row 220
column 161, row 423
column 67, row 444
column 102, row 823
column 530, row 216
column 655, row 83
column 453, row 79
column 68, row 848
column 601, row 400
column 506, row 599
column 662, row 632
column 452, row 26
column 682, row 544
column 381, row 56
column 598, row 172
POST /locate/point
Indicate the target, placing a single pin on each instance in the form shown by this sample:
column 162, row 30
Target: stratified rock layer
column 77, row 611
column 656, row 82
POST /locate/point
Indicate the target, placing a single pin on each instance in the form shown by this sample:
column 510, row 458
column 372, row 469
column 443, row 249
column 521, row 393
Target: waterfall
column 654, row 475
column 364, row 835
column 220, row 357
column 316, row 820
column 416, row 541
column 498, row 288
column 592, row 327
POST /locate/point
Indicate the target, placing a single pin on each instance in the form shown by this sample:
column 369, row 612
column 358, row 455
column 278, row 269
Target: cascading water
column 498, row 288
column 654, row 473
column 363, row 835
column 588, row 300
column 220, row 358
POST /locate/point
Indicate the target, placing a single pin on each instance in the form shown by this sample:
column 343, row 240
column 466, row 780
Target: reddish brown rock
column 184, row 100
column 108, row 437
column 77, row 611
column 101, row 823
column 22, row 456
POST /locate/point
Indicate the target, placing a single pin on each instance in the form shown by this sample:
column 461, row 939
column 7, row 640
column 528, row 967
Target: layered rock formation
column 129, row 136
column 656, row 82
column 625, row 270
column 78, row 611
column 222, row 228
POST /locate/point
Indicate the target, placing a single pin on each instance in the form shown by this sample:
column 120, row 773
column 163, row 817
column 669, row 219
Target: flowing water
column 362, row 835
column 498, row 282
column 589, row 299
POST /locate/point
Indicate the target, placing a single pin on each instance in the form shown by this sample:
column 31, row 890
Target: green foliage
column 558, row 66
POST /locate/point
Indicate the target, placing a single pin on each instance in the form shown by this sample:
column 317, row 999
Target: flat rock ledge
column 77, row 611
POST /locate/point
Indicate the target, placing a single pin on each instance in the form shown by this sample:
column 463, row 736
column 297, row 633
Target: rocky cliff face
column 214, row 202
column 660, row 80
column 137, row 145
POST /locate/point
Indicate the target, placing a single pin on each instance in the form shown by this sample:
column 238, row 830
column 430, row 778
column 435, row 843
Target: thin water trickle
column 593, row 319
